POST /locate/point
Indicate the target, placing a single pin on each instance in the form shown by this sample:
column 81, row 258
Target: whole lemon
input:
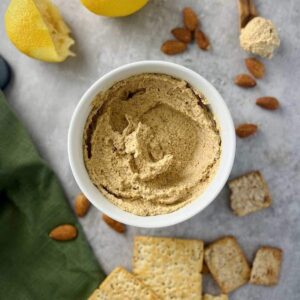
column 114, row 8
column 37, row 29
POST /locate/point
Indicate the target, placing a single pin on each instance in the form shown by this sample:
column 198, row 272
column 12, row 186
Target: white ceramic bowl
column 217, row 106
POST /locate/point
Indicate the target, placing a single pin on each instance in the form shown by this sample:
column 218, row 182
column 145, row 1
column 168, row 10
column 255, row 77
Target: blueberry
column 5, row 73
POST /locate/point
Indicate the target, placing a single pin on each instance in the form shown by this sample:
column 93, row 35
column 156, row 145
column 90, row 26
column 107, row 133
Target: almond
column 115, row 225
column 190, row 19
column 172, row 47
column 202, row 40
column 82, row 205
column 270, row 103
column 255, row 67
column 245, row 80
column 245, row 130
column 64, row 232
column 182, row 34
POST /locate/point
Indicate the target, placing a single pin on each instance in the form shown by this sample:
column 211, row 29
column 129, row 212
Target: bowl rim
column 219, row 109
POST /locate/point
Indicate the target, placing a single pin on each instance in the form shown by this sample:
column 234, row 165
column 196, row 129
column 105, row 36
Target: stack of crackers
column 168, row 268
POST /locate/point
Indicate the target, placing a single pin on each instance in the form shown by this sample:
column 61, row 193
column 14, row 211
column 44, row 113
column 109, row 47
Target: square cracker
column 266, row 266
column 227, row 264
column 171, row 267
column 122, row 285
column 211, row 297
column 249, row 193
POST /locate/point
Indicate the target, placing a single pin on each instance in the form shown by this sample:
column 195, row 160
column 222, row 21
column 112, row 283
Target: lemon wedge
column 114, row 8
column 37, row 29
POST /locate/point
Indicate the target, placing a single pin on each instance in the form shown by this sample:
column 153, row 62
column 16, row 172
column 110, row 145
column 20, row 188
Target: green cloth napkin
column 32, row 203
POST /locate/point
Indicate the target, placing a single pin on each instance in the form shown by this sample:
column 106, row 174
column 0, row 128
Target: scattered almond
column 182, row 34
column 172, row 47
column 190, row 19
column 245, row 80
column 255, row 67
column 82, row 205
column 245, row 130
column 202, row 40
column 64, row 232
column 270, row 103
column 115, row 225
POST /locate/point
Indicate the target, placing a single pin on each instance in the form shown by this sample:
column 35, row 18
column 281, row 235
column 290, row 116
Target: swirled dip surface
column 150, row 144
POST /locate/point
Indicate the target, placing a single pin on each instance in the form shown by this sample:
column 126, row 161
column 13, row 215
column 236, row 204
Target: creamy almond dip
column 151, row 144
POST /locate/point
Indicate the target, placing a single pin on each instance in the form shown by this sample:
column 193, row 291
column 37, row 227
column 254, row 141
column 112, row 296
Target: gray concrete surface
column 45, row 95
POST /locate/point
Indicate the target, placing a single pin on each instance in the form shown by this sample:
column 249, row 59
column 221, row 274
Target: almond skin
column 270, row 103
column 245, row 81
column 202, row 40
column 64, row 232
column 245, row 130
column 115, row 225
column 190, row 19
column 82, row 205
column 255, row 67
column 182, row 34
column 172, row 47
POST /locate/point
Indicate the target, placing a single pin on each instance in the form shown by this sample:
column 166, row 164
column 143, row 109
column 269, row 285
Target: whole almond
column 172, row 47
column 202, row 40
column 115, row 225
column 245, row 80
column 64, row 232
column 255, row 67
column 245, row 130
column 190, row 19
column 182, row 34
column 270, row 103
column 82, row 205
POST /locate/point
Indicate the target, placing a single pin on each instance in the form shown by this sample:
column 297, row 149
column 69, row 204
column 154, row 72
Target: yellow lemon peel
column 114, row 8
column 37, row 29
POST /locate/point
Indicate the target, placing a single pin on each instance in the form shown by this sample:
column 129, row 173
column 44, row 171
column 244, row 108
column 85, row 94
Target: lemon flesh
column 37, row 29
column 114, row 8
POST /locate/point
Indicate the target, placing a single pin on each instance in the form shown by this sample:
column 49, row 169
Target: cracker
column 249, row 193
column 227, row 264
column 266, row 266
column 171, row 267
column 122, row 285
column 211, row 297
column 97, row 295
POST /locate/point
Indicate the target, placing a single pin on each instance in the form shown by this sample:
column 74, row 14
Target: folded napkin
column 32, row 203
